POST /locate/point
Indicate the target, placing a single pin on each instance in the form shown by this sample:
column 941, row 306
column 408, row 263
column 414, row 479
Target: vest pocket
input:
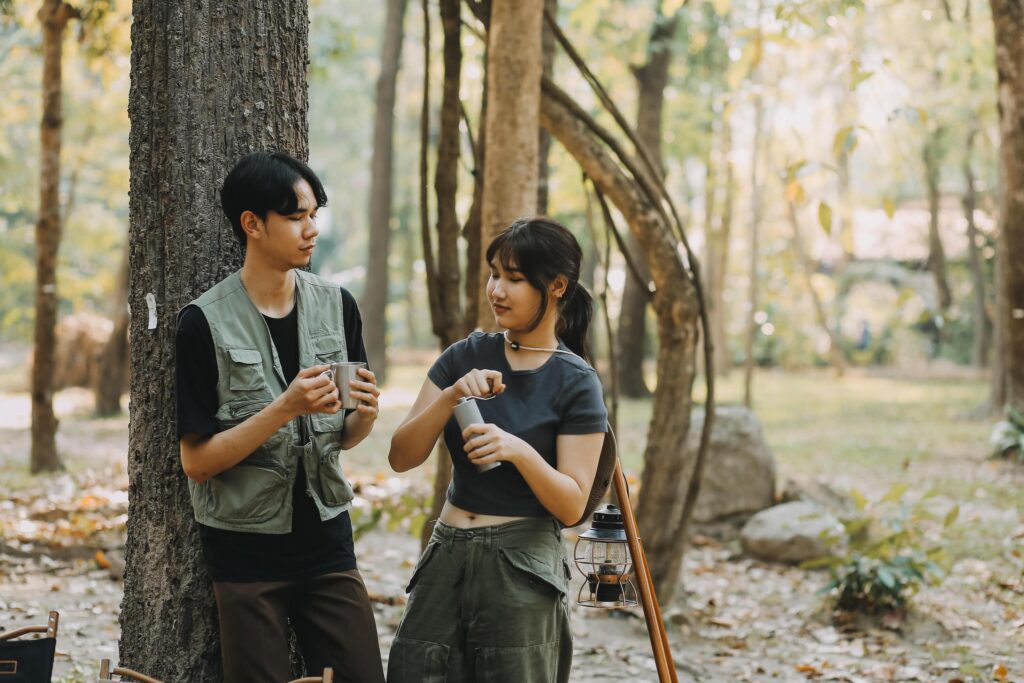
column 247, row 494
column 234, row 413
column 246, row 371
column 335, row 490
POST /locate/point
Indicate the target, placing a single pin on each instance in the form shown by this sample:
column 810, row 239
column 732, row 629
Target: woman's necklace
column 516, row 346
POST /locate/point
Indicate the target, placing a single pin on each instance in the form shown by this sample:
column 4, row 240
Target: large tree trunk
column 665, row 481
column 1008, row 18
column 651, row 79
column 979, row 313
column 834, row 353
column 936, row 252
column 209, row 84
column 514, row 68
column 112, row 375
column 375, row 296
column 54, row 16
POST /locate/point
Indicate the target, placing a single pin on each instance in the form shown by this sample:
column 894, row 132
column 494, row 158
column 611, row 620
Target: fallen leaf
column 101, row 560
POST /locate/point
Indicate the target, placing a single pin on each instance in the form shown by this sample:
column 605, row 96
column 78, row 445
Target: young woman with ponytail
column 489, row 596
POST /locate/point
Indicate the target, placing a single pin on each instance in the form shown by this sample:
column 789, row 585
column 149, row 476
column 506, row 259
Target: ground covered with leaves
column 734, row 618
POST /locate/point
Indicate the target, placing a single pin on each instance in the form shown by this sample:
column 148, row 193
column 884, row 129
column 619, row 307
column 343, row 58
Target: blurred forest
column 834, row 165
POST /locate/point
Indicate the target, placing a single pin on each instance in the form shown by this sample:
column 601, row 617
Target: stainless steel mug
column 467, row 412
column 342, row 374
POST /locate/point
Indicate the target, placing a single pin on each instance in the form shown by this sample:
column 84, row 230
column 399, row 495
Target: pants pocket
column 537, row 571
column 417, row 661
column 544, row 663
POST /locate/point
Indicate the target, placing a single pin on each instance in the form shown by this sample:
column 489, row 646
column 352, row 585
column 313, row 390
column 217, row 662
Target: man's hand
column 366, row 393
column 311, row 392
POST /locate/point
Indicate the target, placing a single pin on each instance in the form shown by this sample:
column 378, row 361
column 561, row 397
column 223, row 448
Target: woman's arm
column 562, row 491
column 416, row 436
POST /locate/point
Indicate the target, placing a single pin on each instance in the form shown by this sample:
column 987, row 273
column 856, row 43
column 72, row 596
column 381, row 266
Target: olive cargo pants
column 487, row 604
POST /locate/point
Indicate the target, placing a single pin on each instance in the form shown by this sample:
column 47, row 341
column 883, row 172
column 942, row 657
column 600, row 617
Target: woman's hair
column 542, row 249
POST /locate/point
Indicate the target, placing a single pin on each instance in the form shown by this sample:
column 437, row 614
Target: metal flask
column 467, row 412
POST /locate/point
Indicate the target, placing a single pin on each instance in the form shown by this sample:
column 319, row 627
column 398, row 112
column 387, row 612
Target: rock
column 821, row 492
column 739, row 473
column 792, row 532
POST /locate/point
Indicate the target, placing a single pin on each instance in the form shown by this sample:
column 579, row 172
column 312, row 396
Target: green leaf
column 951, row 516
column 839, row 142
column 886, row 577
column 825, row 217
column 896, row 492
column 858, row 499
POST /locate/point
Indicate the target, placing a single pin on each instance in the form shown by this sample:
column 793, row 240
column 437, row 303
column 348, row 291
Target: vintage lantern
column 602, row 556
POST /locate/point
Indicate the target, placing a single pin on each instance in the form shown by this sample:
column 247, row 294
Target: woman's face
column 513, row 299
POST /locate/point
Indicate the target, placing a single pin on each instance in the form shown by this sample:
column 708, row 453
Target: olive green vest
column 256, row 494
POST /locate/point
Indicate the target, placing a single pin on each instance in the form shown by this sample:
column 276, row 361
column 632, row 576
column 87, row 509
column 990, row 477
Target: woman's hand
column 486, row 443
column 482, row 383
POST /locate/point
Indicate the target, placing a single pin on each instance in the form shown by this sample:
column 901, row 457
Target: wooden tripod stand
column 652, row 611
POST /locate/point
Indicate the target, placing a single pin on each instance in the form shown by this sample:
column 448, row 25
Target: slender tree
column 112, row 373
column 54, row 16
column 375, row 296
column 210, row 83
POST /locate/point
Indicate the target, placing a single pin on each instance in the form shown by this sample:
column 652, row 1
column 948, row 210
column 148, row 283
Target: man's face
column 288, row 241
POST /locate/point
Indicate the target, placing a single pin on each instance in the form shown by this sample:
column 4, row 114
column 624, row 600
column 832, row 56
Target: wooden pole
column 652, row 611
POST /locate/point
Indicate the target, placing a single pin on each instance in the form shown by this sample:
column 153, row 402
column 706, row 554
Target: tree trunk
column 651, row 79
column 375, row 296
column 1008, row 18
column 936, row 253
column 755, row 220
column 835, row 355
column 979, row 314
column 514, row 69
column 718, row 253
column 544, row 139
column 664, row 483
column 112, row 374
column 209, row 84
column 54, row 16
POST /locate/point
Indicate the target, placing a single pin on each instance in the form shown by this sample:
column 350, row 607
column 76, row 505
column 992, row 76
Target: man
column 261, row 430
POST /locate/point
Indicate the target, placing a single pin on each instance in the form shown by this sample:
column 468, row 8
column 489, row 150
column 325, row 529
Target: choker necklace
column 516, row 346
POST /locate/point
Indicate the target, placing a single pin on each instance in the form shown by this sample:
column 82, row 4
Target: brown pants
column 332, row 618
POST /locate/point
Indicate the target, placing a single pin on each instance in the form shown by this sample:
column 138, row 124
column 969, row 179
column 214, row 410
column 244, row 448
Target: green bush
column 888, row 555
column 1008, row 437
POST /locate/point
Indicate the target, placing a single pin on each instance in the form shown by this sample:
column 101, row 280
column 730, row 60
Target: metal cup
column 467, row 412
column 342, row 374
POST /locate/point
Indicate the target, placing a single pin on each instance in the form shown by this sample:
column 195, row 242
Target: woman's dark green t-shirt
column 562, row 396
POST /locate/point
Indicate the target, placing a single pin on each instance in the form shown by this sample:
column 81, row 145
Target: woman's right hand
column 482, row 383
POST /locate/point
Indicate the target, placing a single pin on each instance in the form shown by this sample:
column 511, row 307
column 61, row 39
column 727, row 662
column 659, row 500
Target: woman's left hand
column 487, row 443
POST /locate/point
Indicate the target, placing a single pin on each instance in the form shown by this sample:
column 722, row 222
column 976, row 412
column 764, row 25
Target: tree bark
column 375, row 296
column 112, row 374
column 209, row 84
column 54, row 16
column 979, row 313
column 936, row 252
column 835, row 355
column 664, row 483
column 651, row 79
column 514, row 68
column 1008, row 19
column 544, row 139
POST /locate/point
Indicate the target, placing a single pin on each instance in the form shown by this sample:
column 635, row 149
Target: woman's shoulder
column 476, row 343
column 574, row 365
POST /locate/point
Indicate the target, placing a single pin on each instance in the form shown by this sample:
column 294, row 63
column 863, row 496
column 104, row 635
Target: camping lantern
column 602, row 555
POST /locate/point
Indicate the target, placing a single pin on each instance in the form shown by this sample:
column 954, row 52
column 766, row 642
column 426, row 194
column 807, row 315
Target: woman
column 489, row 596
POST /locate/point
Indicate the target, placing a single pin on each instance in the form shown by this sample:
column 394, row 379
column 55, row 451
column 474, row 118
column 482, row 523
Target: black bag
column 602, row 478
column 27, row 661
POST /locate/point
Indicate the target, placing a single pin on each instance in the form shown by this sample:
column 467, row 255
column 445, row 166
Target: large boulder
column 792, row 532
column 739, row 474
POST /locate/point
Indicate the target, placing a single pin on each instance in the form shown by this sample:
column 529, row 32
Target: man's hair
column 265, row 181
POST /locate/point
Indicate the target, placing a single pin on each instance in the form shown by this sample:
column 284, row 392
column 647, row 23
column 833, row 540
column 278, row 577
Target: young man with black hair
column 261, row 431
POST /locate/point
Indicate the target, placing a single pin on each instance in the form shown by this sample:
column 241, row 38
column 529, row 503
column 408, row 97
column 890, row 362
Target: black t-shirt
column 313, row 547
column 562, row 396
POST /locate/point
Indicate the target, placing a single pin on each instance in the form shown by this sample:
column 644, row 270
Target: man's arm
column 203, row 457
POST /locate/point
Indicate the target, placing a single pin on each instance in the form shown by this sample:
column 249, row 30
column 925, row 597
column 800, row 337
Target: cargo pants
column 487, row 604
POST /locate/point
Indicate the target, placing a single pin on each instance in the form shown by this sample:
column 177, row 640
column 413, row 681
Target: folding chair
column 29, row 660
column 107, row 673
column 328, row 677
